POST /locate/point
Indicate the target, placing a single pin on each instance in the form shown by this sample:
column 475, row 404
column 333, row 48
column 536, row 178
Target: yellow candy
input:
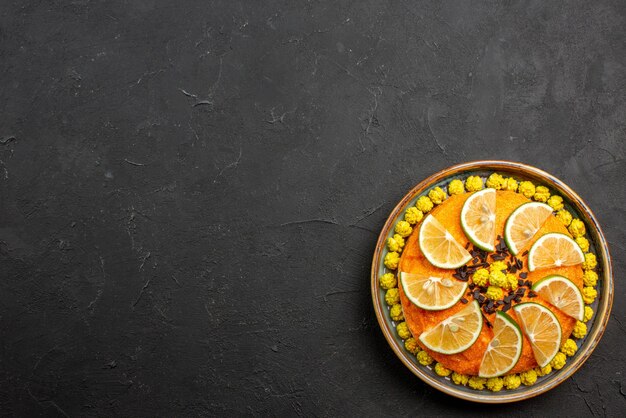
column 495, row 181
column 526, row 188
column 542, row 194
column 388, row 281
column 413, row 215
column 576, row 228
column 456, row 187
column 437, row 195
column 473, row 184
column 424, row 204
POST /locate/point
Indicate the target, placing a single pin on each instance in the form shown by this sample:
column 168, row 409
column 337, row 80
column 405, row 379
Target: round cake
column 414, row 261
column 489, row 281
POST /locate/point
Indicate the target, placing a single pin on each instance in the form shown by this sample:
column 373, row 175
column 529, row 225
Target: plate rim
column 603, row 310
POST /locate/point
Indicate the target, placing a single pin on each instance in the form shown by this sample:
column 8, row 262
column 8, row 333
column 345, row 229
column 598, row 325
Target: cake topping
column 432, row 293
column 478, row 219
column 542, row 329
column 554, row 250
column 455, row 333
column 523, row 224
column 440, row 247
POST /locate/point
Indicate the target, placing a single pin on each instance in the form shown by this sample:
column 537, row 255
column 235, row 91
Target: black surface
column 190, row 194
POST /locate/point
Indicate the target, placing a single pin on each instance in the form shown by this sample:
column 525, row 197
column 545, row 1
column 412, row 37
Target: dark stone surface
column 190, row 194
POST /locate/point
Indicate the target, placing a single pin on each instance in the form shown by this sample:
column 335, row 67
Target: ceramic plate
column 601, row 306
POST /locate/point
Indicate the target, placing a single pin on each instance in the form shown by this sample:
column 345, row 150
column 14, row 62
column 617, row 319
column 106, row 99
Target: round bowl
column 602, row 304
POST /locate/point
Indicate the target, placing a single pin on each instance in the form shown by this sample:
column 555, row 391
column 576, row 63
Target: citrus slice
column 478, row 219
column 524, row 223
column 440, row 247
column 554, row 250
column 542, row 329
column 455, row 333
column 562, row 293
column 504, row 350
column 432, row 293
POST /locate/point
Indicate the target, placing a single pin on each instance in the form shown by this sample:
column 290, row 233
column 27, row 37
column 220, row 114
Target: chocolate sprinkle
column 525, row 253
column 481, row 259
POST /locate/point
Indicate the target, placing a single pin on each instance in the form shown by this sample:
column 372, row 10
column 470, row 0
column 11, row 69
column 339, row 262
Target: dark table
column 191, row 193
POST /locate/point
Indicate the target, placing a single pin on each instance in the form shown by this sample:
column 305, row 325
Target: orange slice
column 455, row 333
column 554, row 250
column 440, row 247
column 542, row 329
column 504, row 350
column 478, row 219
column 524, row 223
column 432, row 293
column 562, row 293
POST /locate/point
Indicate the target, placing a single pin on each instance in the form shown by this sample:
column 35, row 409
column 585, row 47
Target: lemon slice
column 440, row 247
column 478, row 219
column 524, row 223
column 504, row 350
column 542, row 329
column 432, row 293
column 554, row 250
column 455, row 333
column 562, row 293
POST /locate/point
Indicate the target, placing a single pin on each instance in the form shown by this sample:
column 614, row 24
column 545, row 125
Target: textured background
column 190, row 194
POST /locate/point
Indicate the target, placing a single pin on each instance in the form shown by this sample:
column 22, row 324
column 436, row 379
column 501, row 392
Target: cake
column 494, row 277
